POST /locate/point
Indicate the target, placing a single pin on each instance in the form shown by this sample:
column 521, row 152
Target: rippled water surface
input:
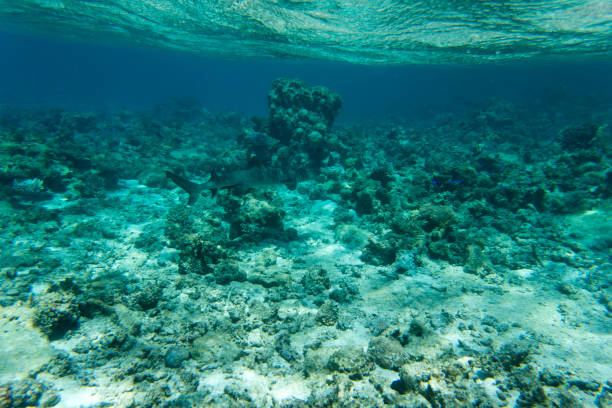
column 365, row 31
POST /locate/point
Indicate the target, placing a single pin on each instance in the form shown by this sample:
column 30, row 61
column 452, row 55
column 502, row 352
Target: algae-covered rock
column 352, row 236
column 380, row 251
column 345, row 292
column 148, row 297
column 269, row 277
column 215, row 348
column 328, row 313
column 175, row 356
column 316, row 281
column 23, row 393
column 324, row 396
column 294, row 105
column 512, row 355
column 301, row 118
column 453, row 252
column 387, row 353
column 227, row 272
column 201, row 256
column 285, row 349
column 180, row 225
column 578, row 136
column 257, row 218
column 56, row 314
column 350, row 360
column 435, row 217
column 412, row 375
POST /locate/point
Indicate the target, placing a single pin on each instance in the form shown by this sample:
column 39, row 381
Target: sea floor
column 472, row 270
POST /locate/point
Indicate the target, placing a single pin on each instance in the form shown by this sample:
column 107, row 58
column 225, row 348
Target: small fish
column 243, row 180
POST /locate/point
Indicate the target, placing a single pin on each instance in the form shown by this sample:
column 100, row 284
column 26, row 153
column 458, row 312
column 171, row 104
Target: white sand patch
column 92, row 329
column 567, row 337
column 293, row 309
column 337, row 253
column 214, row 382
column 490, row 387
column 127, row 184
column 278, row 387
column 56, row 202
column 357, row 336
column 593, row 228
column 315, row 221
column 522, row 273
column 289, row 387
column 22, row 348
column 74, row 395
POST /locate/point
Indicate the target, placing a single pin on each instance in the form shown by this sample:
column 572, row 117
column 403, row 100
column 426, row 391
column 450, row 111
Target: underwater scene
column 305, row 203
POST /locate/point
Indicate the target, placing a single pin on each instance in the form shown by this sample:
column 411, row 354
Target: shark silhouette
column 240, row 180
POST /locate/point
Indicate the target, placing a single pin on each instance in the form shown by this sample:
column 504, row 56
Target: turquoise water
column 366, row 32
column 305, row 204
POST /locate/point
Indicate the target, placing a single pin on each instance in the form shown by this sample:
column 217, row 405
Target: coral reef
column 56, row 314
column 398, row 270
column 301, row 117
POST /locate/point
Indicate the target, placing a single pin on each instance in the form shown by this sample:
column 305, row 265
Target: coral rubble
column 441, row 263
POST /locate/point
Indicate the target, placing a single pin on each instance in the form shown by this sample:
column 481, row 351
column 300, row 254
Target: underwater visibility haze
column 294, row 203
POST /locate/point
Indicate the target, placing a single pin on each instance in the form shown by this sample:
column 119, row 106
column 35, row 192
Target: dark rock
column 294, row 403
column 5, row 396
column 23, row 393
column 604, row 399
column 345, row 292
column 411, row 377
column 382, row 174
column 564, row 398
column 566, row 288
column 534, row 397
column 62, row 365
column 175, row 356
column 365, row 202
column 489, row 320
column 284, row 348
column 228, row 272
column 387, row 353
column 328, row 313
column 550, row 378
column 417, row 328
column 201, row 256
column 49, row 399
column 440, row 320
column 578, row 136
column 512, row 355
column 316, row 281
column 236, row 392
column 257, row 219
column 322, row 397
column 586, row 385
column 56, row 314
column 378, row 326
column 293, row 104
column 434, row 217
column 380, row 252
column 350, row 360
column 148, row 297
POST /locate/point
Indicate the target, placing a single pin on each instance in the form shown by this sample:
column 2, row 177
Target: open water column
column 305, row 203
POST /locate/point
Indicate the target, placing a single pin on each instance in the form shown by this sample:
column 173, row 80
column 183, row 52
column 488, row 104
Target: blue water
column 159, row 258
column 38, row 70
